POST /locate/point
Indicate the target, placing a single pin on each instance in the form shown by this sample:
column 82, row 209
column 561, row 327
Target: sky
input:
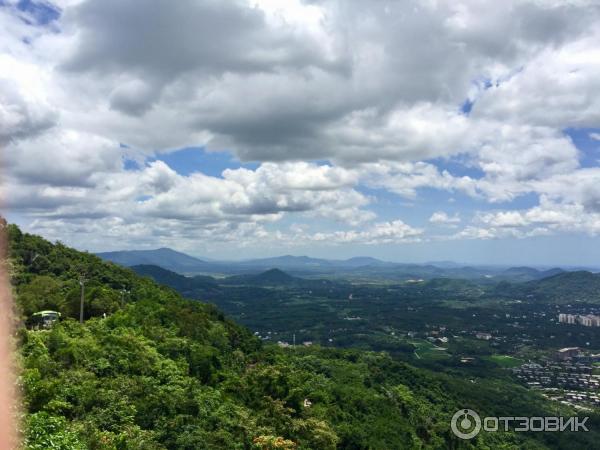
column 410, row 131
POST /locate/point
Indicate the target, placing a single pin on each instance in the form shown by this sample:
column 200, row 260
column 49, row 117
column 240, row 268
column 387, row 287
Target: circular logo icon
column 465, row 423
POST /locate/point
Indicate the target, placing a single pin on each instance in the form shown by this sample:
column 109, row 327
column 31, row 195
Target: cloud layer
column 331, row 101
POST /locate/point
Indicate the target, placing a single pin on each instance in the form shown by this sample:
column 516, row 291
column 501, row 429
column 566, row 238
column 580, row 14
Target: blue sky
column 189, row 160
column 408, row 131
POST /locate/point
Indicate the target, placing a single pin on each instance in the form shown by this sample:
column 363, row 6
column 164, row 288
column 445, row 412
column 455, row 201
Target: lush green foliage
column 163, row 372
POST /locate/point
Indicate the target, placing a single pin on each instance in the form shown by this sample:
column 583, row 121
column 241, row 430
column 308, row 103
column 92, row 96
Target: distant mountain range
column 206, row 287
column 528, row 273
column 562, row 287
column 182, row 263
column 356, row 267
column 163, row 257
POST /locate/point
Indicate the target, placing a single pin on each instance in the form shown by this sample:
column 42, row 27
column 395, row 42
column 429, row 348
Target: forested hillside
column 151, row 370
column 567, row 287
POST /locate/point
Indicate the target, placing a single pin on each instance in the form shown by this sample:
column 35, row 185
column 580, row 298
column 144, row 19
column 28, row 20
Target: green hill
column 162, row 372
column 565, row 287
column 568, row 286
column 193, row 287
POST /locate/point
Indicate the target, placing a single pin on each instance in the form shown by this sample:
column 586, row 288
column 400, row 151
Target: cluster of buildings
column 569, row 378
column 587, row 320
column 574, row 376
column 575, row 397
column 567, row 353
column 577, row 356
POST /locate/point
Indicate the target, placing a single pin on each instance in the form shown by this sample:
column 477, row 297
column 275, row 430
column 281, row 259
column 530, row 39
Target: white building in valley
column 587, row 320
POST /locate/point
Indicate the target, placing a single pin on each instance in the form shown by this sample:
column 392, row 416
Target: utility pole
column 123, row 292
column 294, row 339
column 82, row 284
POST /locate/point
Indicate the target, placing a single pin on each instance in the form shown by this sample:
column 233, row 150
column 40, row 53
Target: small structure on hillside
column 43, row 320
